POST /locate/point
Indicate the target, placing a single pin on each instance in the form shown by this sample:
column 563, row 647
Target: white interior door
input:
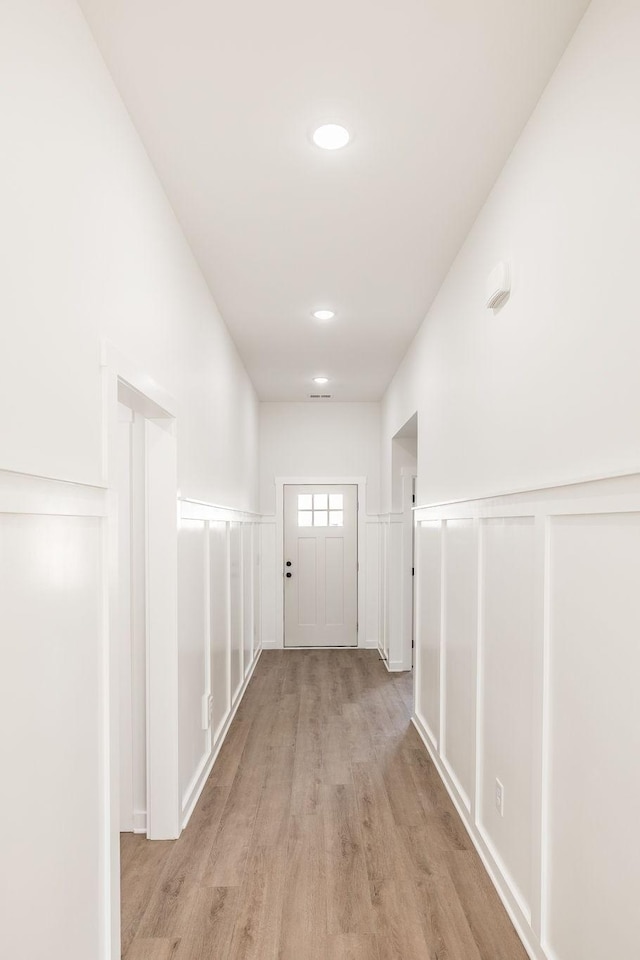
column 321, row 565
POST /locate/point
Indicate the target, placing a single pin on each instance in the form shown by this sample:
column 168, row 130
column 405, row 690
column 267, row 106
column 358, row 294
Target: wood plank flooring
column 323, row 833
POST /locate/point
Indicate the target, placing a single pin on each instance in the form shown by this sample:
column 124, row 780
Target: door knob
column 289, row 574
column 288, row 563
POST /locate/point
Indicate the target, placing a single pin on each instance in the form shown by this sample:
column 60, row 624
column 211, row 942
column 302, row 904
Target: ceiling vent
column 319, row 396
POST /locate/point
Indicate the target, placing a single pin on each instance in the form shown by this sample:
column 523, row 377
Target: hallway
column 323, row 833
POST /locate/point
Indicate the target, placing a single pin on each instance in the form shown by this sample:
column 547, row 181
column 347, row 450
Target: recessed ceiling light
column 321, row 380
column 324, row 314
column 331, row 136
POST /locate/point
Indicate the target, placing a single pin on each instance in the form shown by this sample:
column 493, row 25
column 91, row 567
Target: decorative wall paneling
column 527, row 660
column 54, row 644
column 219, row 616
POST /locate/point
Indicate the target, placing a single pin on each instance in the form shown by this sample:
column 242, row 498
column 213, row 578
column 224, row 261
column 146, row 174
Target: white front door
column 321, row 565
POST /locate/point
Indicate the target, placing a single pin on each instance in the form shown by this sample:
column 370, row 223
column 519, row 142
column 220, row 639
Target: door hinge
column 413, row 498
column 413, row 571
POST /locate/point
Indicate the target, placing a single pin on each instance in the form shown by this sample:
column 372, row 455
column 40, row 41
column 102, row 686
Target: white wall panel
column 459, row 652
column 219, row 560
column 247, row 594
column 372, row 588
column 428, row 634
column 384, row 592
column 593, row 791
column 236, row 608
column 268, row 585
column 193, row 668
column 219, row 623
column 257, row 599
column 506, row 693
column 50, row 735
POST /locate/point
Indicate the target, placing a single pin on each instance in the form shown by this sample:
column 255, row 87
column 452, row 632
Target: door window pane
column 320, row 510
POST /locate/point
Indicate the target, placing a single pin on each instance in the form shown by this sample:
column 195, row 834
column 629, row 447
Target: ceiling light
column 324, row 314
column 331, row 136
column 321, row 380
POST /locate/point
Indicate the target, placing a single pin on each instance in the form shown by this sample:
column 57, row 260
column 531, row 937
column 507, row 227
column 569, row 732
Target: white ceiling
column 226, row 95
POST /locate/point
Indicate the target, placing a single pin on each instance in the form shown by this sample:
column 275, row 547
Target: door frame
column 361, row 484
column 163, row 799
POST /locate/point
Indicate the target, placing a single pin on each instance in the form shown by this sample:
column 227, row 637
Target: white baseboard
column 140, row 822
column 524, row 932
column 195, row 788
column 397, row 666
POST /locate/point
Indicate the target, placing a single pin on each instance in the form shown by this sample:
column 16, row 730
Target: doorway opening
column 130, row 490
column 320, row 575
column 404, row 456
column 141, row 773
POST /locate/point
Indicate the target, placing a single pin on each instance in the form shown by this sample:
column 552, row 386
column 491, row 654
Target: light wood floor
column 323, row 833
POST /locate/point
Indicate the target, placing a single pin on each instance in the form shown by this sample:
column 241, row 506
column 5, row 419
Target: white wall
column 527, row 606
column 404, row 463
column 51, row 550
column 547, row 389
column 90, row 249
column 316, row 439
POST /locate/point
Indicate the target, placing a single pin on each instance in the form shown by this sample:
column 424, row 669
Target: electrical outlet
column 499, row 798
column 207, row 711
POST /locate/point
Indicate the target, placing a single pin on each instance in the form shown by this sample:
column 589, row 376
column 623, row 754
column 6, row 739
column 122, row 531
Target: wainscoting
column 53, row 630
column 54, row 693
column 527, row 667
column 219, row 616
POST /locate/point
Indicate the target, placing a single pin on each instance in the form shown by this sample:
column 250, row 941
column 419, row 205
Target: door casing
column 280, row 483
column 159, row 409
column 349, row 627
